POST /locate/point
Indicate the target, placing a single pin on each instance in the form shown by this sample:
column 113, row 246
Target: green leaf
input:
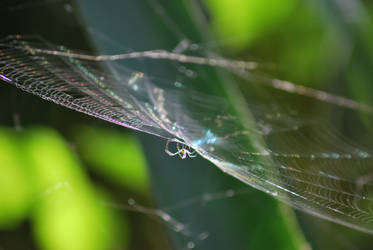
column 240, row 22
column 15, row 182
column 115, row 155
column 67, row 213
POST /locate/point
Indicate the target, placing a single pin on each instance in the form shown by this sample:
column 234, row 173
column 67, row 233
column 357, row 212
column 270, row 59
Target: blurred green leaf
column 67, row 214
column 15, row 191
column 278, row 221
column 115, row 155
column 362, row 91
column 240, row 22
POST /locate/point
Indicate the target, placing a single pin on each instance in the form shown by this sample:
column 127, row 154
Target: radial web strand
column 304, row 162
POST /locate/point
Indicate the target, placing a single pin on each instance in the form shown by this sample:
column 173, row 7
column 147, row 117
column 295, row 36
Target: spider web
column 304, row 162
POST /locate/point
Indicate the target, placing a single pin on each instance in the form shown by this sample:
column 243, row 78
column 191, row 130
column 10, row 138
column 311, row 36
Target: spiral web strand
column 323, row 174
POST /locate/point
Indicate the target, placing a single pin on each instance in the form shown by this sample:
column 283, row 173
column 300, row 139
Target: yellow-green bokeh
column 42, row 181
column 15, row 193
column 115, row 155
column 239, row 22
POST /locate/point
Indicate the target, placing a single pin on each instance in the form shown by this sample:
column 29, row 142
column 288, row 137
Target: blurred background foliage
column 66, row 184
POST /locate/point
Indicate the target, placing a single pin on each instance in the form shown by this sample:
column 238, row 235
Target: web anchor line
column 151, row 54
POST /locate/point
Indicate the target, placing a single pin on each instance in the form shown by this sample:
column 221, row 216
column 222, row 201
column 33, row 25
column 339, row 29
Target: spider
column 182, row 150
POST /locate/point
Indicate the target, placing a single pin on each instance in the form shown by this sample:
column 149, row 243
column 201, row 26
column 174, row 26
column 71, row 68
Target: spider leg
column 168, row 151
column 192, row 154
column 182, row 150
column 178, row 146
column 192, row 150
